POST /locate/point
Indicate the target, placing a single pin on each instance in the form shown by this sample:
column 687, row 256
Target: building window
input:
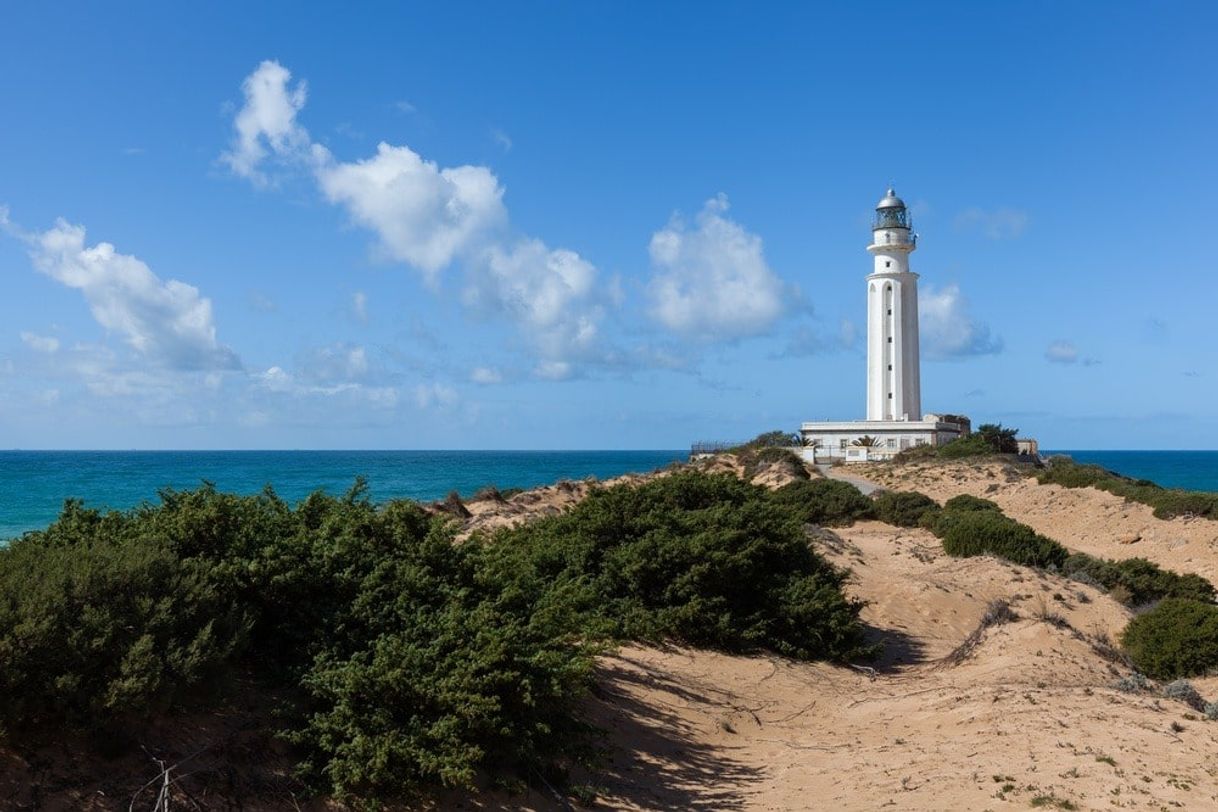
column 890, row 367
column 890, row 311
column 844, row 443
column 890, row 396
column 887, row 264
column 892, row 442
column 889, row 339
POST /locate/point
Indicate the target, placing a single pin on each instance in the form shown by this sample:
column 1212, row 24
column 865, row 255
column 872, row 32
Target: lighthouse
column 895, row 422
column 894, row 386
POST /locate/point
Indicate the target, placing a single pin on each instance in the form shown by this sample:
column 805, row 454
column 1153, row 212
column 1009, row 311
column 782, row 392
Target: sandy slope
column 1083, row 519
column 1029, row 707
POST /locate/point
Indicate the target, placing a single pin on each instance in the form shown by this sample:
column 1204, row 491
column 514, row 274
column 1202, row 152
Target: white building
column 894, row 383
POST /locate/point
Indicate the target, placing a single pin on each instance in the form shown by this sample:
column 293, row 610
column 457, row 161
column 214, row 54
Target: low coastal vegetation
column 988, row 439
column 824, row 502
column 1177, row 638
column 904, row 508
column 1167, row 502
column 404, row 660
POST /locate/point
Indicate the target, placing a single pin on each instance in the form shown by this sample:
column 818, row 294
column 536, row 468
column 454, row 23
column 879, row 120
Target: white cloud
column 486, row 375
column 553, row 370
column 47, row 344
column 1062, row 352
column 502, row 139
column 431, row 218
column 547, row 293
column 421, row 214
column 359, row 306
column 999, row 224
column 336, row 363
column 947, row 329
column 427, row 395
column 168, row 322
column 279, row 381
column 266, row 124
column 712, row 281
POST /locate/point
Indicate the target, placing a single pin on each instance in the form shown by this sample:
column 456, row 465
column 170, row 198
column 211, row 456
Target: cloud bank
column 711, row 281
column 431, row 218
column 169, row 323
column 948, row 330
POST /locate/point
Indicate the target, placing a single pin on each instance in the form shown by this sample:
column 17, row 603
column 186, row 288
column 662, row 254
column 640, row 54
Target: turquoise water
column 1191, row 470
column 33, row 484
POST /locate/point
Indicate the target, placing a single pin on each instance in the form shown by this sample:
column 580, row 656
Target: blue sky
column 579, row 225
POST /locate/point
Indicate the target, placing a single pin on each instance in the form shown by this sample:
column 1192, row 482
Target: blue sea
column 33, row 484
column 1191, row 470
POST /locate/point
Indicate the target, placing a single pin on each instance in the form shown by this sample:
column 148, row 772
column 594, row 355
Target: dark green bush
column 1167, row 502
column 410, row 661
column 905, row 508
column 111, row 631
column 974, row 445
column 826, row 502
column 916, row 453
column 1001, row 440
column 436, row 670
column 708, row 560
column 1178, row 638
column 968, row 502
column 772, row 439
column 1139, row 581
column 968, row 533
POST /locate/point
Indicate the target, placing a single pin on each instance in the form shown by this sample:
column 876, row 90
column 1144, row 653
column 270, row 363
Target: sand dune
column 955, row 715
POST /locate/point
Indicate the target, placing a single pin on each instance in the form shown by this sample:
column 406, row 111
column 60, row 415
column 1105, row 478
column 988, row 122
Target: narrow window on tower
column 889, row 339
column 887, row 263
column 890, row 367
column 890, row 311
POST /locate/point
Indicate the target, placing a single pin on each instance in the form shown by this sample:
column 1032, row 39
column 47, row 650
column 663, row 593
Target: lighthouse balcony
column 896, row 238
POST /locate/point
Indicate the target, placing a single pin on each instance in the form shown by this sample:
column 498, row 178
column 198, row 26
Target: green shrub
column 436, row 670
column 108, row 631
column 968, row 502
column 1178, row 638
column 905, row 508
column 1167, row 502
column 916, row 453
column 826, row 502
column 968, row 533
column 772, row 439
column 974, row 445
column 1136, row 580
column 706, row 559
column 410, row 661
column 1000, row 440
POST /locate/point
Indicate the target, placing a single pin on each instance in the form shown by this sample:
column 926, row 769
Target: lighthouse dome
column 890, row 201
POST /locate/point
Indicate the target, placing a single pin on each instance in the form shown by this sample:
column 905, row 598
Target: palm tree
column 867, row 441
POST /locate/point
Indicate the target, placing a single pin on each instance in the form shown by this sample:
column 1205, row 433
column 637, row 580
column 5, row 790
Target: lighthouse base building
column 894, row 383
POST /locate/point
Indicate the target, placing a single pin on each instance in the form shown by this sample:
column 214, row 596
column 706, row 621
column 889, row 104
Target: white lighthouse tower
column 894, row 386
column 894, row 382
